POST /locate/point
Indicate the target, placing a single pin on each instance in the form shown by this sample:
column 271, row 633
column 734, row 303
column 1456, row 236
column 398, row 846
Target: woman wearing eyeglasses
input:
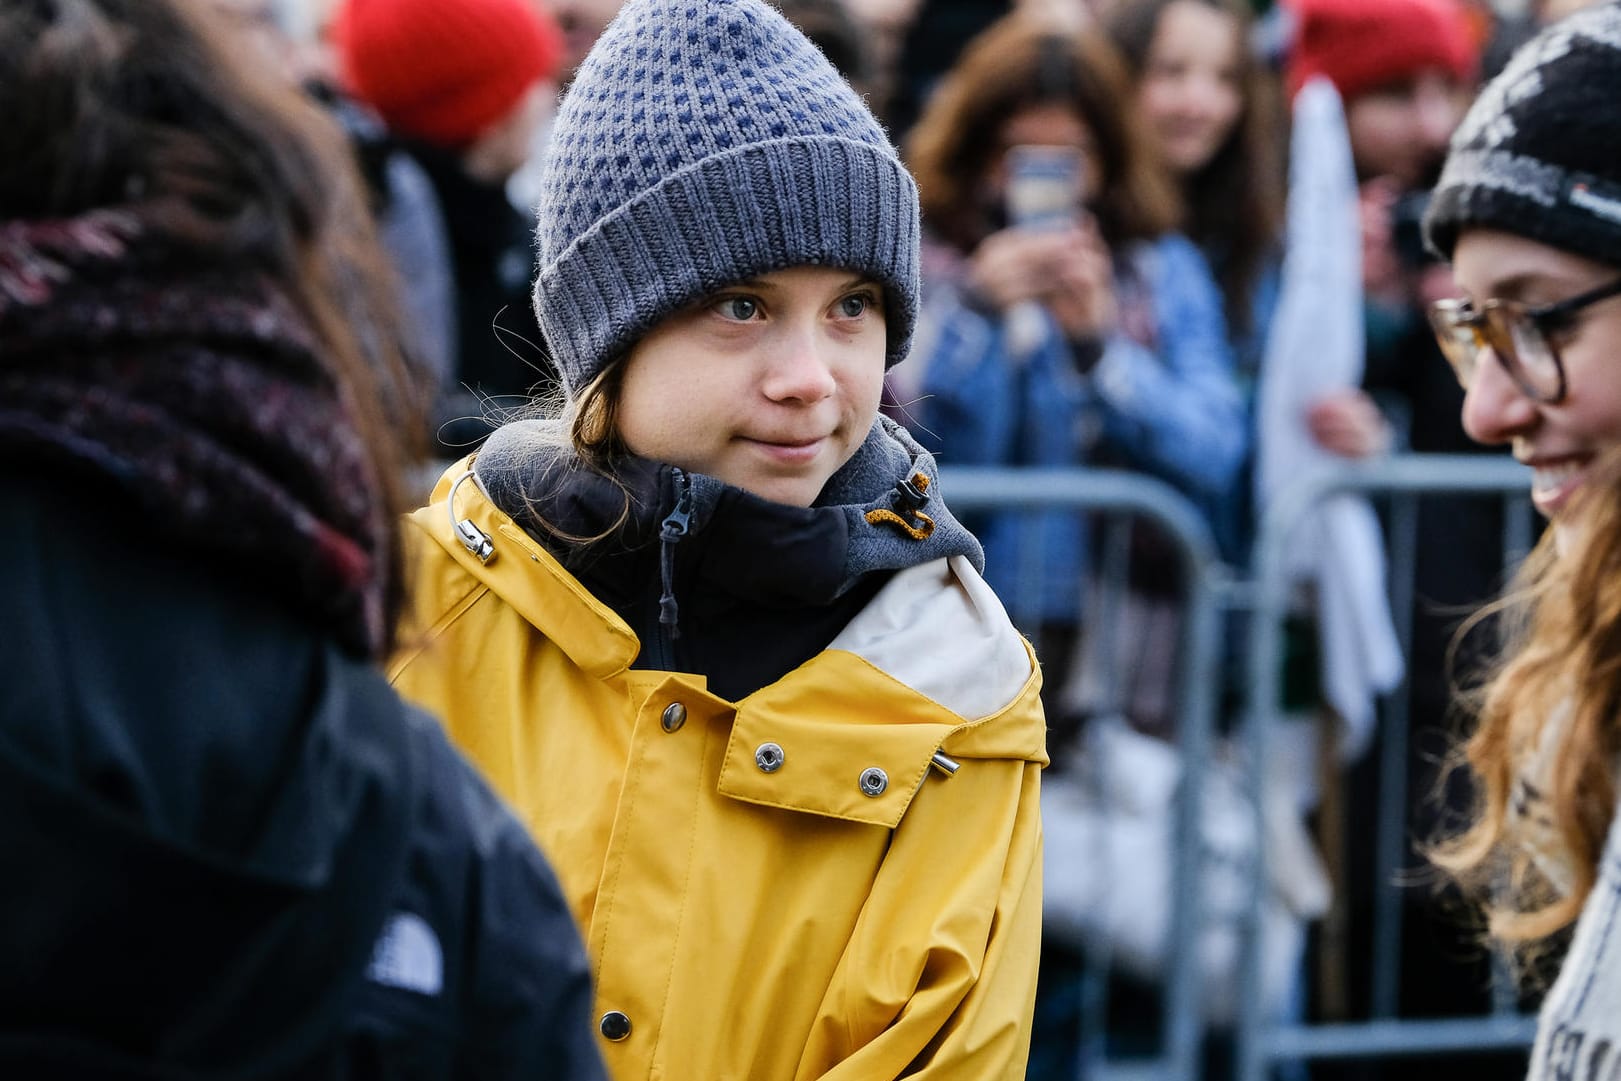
column 1529, row 211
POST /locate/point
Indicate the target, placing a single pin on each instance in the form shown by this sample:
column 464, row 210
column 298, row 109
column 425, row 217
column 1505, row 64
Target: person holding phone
column 1086, row 332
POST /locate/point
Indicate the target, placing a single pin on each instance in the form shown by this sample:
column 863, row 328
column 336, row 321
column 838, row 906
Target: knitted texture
column 1360, row 45
column 1539, row 154
column 199, row 392
column 444, row 71
column 704, row 142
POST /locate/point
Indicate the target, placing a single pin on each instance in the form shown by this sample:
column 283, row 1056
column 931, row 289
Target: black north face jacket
column 227, row 850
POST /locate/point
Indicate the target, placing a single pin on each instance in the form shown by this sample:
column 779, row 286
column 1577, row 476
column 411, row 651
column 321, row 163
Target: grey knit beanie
column 1539, row 153
column 704, row 142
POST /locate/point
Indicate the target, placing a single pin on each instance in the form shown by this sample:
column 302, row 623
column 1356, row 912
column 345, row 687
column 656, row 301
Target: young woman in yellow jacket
column 711, row 629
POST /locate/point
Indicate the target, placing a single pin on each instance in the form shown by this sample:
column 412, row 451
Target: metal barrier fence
column 1212, row 590
column 1134, row 495
column 1262, row 1043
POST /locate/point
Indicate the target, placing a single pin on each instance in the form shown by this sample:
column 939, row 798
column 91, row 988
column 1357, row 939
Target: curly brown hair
column 1021, row 62
column 1554, row 694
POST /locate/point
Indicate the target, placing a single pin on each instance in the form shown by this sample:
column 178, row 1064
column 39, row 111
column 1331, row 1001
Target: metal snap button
column 614, row 1025
column 768, row 756
column 675, row 715
column 873, row 781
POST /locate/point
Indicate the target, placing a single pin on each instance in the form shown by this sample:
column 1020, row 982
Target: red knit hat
column 1363, row 44
column 443, row 71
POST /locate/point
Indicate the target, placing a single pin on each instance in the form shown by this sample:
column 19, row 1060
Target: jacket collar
column 933, row 651
column 505, row 560
column 732, row 543
column 914, row 633
column 838, row 756
column 881, row 511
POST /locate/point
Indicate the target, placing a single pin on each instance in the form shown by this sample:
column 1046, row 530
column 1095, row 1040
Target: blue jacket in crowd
column 1162, row 398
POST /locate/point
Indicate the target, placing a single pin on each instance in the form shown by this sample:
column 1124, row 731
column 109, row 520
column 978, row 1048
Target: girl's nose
column 1495, row 409
column 799, row 371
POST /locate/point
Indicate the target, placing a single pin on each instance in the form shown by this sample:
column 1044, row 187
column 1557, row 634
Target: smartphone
column 1043, row 186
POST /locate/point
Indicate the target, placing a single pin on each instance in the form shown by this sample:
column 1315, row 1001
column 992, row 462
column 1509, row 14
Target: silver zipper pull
column 474, row 539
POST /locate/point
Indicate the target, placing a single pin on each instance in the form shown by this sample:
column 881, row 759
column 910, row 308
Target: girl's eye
column 740, row 308
column 855, row 305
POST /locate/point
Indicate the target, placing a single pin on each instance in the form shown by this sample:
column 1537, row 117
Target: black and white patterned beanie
column 704, row 142
column 1539, row 153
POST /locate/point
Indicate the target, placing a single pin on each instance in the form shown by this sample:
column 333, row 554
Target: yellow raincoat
column 782, row 887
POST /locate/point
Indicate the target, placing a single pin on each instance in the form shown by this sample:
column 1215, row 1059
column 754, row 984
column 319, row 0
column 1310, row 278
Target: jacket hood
column 716, row 580
column 930, row 659
column 881, row 509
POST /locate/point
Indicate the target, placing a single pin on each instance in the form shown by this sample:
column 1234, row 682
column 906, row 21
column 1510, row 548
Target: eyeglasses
column 1517, row 335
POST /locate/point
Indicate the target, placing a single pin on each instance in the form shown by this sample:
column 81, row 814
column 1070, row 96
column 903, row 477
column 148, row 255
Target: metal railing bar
column 1378, row 1039
column 1212, row 590
column 1391, row 839
column 977, row 489
column 1255, row 1046
column 969, row 489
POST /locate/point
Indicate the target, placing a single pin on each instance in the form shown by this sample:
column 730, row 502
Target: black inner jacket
column 759, row 587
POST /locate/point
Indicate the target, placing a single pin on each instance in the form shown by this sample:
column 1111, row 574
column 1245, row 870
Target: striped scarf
column 198, row 392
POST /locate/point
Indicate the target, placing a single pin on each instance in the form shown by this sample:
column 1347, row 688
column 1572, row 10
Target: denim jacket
column 1162, row 398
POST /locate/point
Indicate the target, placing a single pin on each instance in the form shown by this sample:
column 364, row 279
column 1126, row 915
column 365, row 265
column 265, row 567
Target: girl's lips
column 1553, row 483
column 789, row 453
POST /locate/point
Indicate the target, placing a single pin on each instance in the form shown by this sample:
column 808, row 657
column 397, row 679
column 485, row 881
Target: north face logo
column 407, row 956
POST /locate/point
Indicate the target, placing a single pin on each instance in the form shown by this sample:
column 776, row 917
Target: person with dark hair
column 1090, row 336
column 400, row 195
column 1528, row 212
column 236, row 853
column 1210, row 110
column 711, row 624
column 933, row 40
column 463, row 86
column 1405, row 70
column 1211, row 113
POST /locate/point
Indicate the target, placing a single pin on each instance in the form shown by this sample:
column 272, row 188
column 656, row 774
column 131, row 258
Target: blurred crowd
column 1181, row 121
column 1108, row 207
column 1106, row 191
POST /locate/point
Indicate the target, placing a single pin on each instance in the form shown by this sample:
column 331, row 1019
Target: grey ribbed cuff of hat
column 760, row 207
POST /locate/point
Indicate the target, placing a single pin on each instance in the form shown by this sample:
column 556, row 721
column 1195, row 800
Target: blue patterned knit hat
column 704, row 142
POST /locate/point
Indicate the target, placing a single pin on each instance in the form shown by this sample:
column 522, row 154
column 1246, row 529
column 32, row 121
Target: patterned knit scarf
column 200, row 393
